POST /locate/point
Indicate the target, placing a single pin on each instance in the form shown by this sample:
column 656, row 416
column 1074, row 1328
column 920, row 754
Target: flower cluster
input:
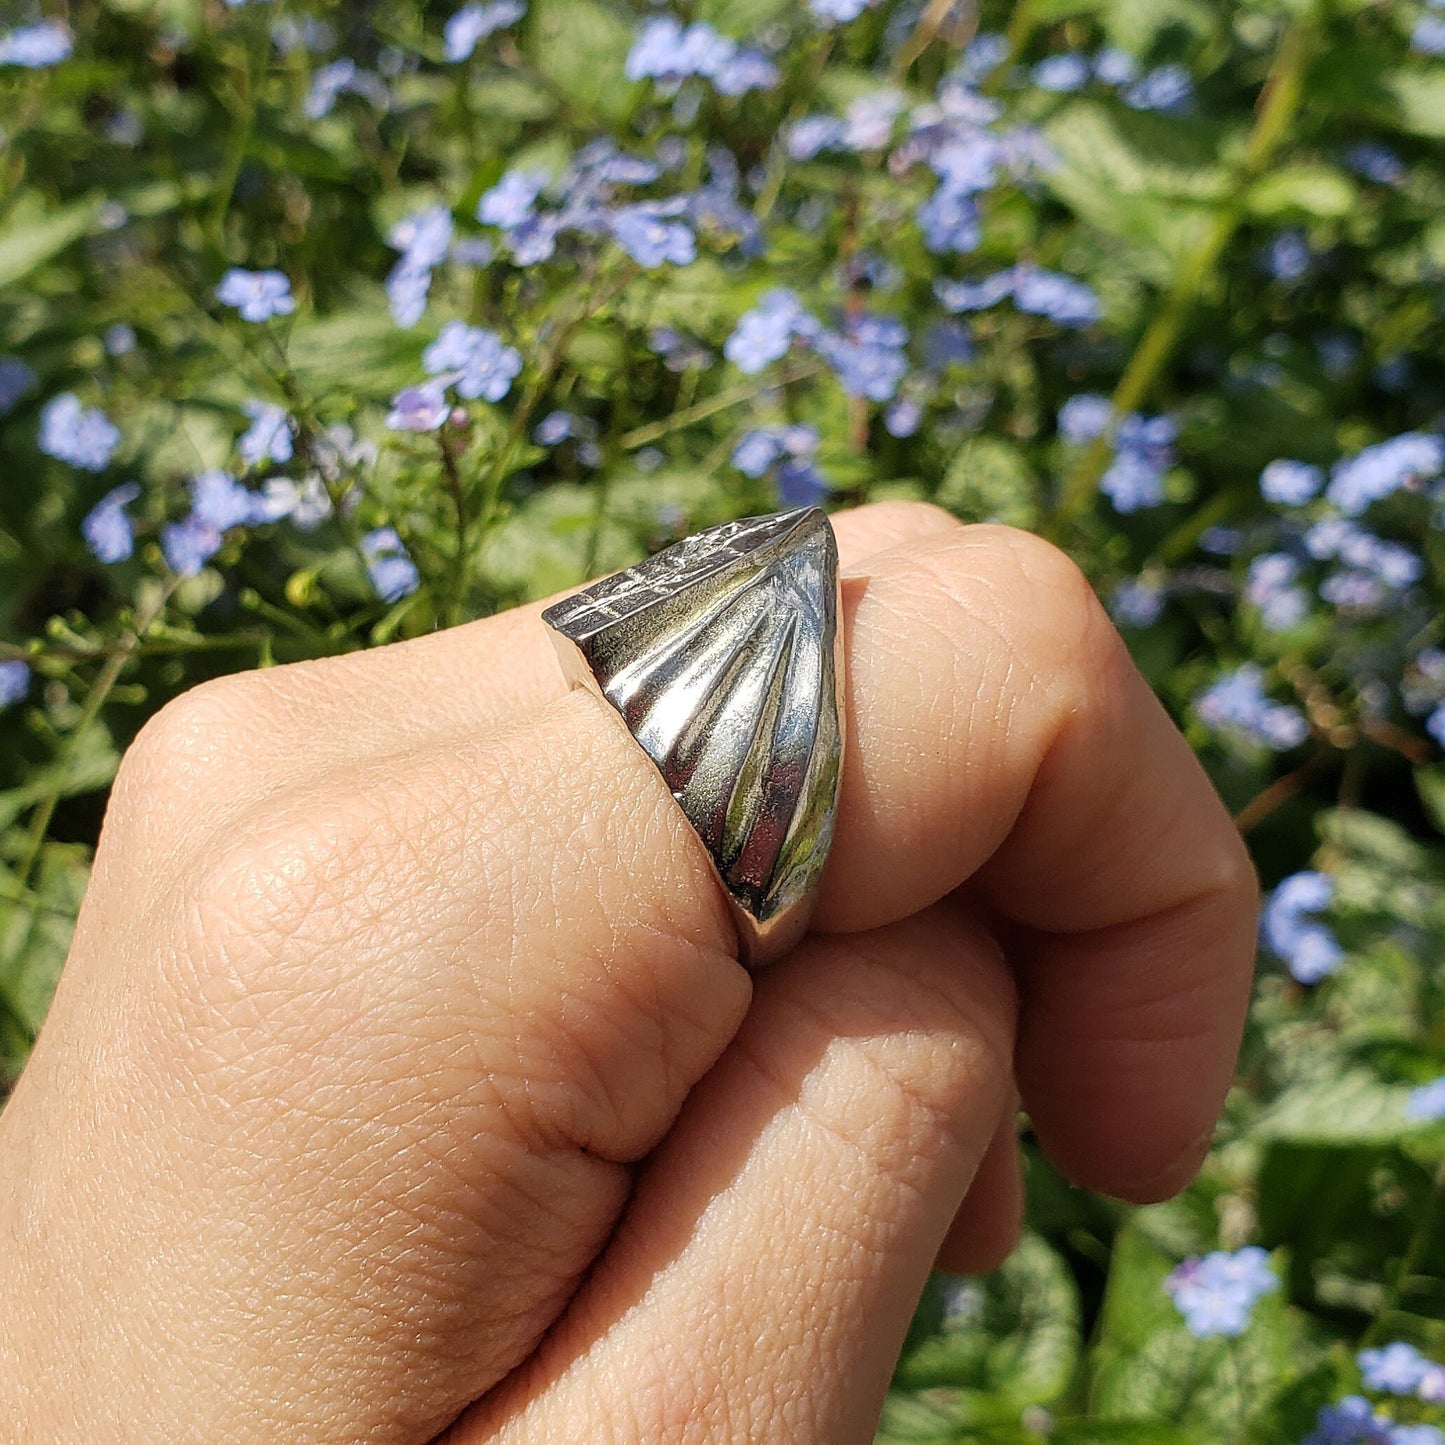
column 1217, row 1293
column 1291, row 927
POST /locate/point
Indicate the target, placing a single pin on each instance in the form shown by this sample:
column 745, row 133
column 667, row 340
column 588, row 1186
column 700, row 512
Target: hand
column 403, row 998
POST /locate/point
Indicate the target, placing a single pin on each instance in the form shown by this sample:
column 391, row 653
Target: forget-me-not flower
column 107, row 529
column 268, row 438
column 1393, row 1369
column 189, row 544
column 392, row 572
column 764, row 334
column 36, row 47
column 14, row 682
column 1427, row 1102
column 473, row 23
column 1290, row 925
column 82, row 436
column 1084, row 417
column 473, row 360
column 257, row 295
column 650, row 233
column 419, row 408
column 1237, row 703
column 16, row 379
column 1289, row 483
column 1382, row 469
column 1217, row 1294
column 1354, row 1421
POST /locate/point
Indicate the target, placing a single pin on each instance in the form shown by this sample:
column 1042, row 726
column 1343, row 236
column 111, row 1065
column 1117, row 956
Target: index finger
column 1054, row 783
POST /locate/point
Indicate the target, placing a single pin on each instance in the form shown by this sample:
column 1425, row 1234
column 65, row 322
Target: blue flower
column 668, row 53
column 839, row 12
column 1270, row 587
column 268, row 438
column 1143, row 453
column 419, row 408
column 1288, row 257
column 868, row 356
column 801, row 484
column 36, row 47
column 1084, row 417
column 647, row 232
column 407, row 289
column 1237, row 703
column 813, row 133
column 1060, row 298
column 1382, row 469
column 16, row 378
column 69, row 432
column 904, row 416
column 1137, row 603
column 189, row 544
column 511, row 200
column 476, row 362
column 473, row 23
column 220, row 501
column 764, row 334
column 326, row 85
column 1428, row 1101
column 106, row 528
column 949, row 221
column 869, row 119
column 1290, row 483
column 1308, row 947
column 1061, row 73
column 975, row 295
column 1428, row 36
column 119, row 340
column 1217, row 1294
column 1168, row 88
column 1375, row 162
column 392, row 571
column 14, row 682
column 423, row 237
column 257, row 295
column 1394, row 1369
column 756, row 452
column 1352, row 1422
column 1113, row 66
column 1416, row 1435
column 982, row 56
column 746, row 70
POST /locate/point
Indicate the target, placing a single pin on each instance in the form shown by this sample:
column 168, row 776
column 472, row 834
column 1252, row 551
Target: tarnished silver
column 724, row 657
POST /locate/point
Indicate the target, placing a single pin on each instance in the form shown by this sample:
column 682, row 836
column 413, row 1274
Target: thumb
column 761, row 1283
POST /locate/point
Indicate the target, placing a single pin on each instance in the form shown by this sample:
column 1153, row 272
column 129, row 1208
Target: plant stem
column 100, row 690
column 1278, row 102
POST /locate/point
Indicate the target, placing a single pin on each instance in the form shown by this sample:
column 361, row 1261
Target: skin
column 403, row 1085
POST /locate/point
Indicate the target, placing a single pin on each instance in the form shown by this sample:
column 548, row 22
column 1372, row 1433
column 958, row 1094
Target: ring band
column 723, row 655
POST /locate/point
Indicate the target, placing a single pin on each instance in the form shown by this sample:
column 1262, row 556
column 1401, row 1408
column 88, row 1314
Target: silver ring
column 723, row 656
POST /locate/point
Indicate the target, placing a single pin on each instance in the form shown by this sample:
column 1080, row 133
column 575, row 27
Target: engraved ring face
column 723, row 656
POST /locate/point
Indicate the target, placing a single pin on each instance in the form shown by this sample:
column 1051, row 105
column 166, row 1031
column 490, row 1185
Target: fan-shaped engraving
column 722, row 656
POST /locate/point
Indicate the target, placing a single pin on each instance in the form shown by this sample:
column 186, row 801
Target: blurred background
column 323, row 325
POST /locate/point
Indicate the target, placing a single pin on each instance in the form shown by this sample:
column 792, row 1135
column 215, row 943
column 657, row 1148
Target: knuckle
column 190, row 741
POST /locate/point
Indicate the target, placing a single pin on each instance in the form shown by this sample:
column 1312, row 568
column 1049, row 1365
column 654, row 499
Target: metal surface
column 723, row 655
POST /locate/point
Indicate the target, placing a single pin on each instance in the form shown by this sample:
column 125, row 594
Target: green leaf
column 1146, row 180
column 582, row 47
column 31, row 236
column 990, row 480
column 1004, row 1343
column 1350, row 1107
column 36, row 924
column 1430, row 784
column 1119, row 1432
column 1315, row 191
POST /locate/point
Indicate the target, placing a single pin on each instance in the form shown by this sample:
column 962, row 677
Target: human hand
column 402, row 1078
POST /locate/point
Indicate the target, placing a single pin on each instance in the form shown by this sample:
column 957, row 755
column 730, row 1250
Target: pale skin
column 403, row 1084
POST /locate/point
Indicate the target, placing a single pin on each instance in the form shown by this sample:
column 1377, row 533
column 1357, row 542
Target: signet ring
column 723, row 656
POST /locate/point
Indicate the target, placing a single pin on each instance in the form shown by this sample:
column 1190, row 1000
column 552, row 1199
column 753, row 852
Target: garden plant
column 327, row 325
